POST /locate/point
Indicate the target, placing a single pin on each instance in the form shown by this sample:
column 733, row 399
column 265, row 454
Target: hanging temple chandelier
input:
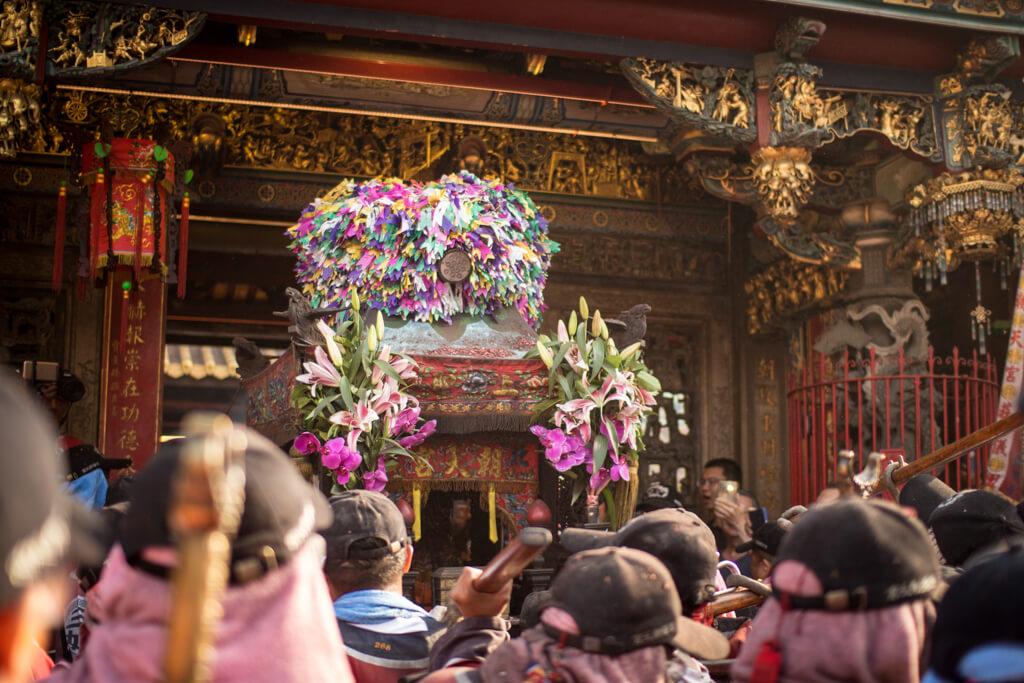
column 974, row 216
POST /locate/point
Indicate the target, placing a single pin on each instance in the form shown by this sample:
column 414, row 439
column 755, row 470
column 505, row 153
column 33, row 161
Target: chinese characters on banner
column 132, row 381
column 768, row 435
column 1004, row 460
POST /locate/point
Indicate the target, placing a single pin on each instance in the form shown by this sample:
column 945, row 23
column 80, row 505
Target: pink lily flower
column 333, row 350
column 320, row 371
column 575, row 360
column 377, row 479
column 385, row 396
column 361, row 418
column 405, row 367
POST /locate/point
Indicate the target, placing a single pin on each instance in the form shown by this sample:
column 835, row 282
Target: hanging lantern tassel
column 492, row 521
column 58, row 244
column 183, row 248
column 126, row 288
column 140, row 228
column 417, row 528
column 96, row 220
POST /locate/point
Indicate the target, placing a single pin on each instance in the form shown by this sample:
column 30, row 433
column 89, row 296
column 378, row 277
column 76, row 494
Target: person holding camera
column 88, row 469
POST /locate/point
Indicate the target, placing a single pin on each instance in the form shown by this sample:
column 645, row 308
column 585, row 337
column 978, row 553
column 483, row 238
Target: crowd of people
column 925, row 589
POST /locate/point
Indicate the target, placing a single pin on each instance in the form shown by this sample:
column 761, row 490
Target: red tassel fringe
column 58, row 244
column 183, row 248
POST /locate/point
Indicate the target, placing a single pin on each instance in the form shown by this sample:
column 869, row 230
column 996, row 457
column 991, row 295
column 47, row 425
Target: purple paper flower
column 377, row 479
column 419, row 437
column 306, row 443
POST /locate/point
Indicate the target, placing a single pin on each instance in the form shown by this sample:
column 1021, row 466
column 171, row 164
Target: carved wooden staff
column 897, row 473
column 511, row 561
column 208, row 495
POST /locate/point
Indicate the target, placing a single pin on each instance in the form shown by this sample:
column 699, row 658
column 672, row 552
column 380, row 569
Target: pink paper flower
column 306, row 443
column 377, row 479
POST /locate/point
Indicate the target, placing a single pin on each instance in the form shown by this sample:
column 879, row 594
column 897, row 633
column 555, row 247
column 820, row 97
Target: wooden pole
column 954, row 450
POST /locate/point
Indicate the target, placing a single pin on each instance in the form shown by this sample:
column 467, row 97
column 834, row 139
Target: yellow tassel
column 417, row 531
column 492, row 522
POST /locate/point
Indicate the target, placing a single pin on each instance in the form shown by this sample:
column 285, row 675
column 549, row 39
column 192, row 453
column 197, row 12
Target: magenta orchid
column 413, row 440
column 376, row 479
column 306, row 443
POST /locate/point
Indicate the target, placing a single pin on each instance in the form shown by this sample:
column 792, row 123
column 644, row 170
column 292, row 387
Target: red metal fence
column 894, row 406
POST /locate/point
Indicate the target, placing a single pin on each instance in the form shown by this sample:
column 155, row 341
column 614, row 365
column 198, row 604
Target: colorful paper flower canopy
column 385, row 238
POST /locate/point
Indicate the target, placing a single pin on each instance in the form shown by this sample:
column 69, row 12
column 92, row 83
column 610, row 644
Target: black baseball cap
column 42, row 529
column 982, row 606
column 680, row 539
column 364, row 515
column 865, row 555
column 624, row 599
column 972, row 520
column 924, row 493
column 767, row 538
column 282, row 510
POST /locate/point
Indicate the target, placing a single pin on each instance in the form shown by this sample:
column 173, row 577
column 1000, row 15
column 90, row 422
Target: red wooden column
column 131, row 380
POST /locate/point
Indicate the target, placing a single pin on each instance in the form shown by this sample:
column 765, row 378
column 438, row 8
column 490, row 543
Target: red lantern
column 129, row 183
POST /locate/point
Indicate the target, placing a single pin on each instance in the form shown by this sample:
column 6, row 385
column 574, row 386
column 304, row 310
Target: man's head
column 623, row 599
column 974, row 522
column 678, row 538
column 368, row 547
column 715, row 472
column 855, row 555
column 764, row 546
column 282, row 511
column 40, row 537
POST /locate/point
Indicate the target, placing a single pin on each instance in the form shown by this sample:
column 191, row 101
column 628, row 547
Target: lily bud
column 544, row 354
column 355, row 300
column 380, row 325
column 595, row 324
column 630, row 350
column 584, row 309
column 371, row 339
column 573, row 323
column 604, row 330
column 563, row 334
column 333, row 350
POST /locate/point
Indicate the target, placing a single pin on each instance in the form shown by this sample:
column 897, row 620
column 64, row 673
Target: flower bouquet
column 354, row 403
column 600, row 400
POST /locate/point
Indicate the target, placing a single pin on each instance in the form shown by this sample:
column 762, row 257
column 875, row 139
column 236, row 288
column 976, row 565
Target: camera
column 40, row 373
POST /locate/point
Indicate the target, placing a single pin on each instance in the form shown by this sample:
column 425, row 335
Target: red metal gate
column 895, row 407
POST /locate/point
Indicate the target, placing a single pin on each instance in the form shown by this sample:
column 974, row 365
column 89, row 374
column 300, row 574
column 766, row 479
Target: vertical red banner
column 131, row 383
